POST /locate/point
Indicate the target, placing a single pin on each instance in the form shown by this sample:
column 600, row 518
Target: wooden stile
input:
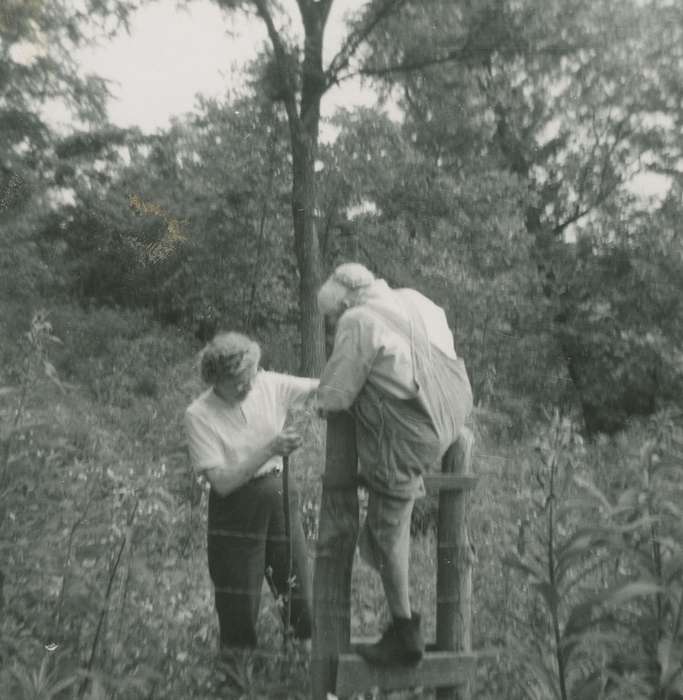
column 454, row 565
column 435, row 669
column 337, row 534
column 449, row 664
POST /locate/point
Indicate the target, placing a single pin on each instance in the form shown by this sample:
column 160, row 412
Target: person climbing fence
column 393, row 365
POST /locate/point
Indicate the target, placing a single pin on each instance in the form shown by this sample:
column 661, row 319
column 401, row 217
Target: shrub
column 595, row 565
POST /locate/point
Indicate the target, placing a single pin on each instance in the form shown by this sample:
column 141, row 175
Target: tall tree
column 553, row 93
column 297, row 77
column 37, row 68
column 457, row 234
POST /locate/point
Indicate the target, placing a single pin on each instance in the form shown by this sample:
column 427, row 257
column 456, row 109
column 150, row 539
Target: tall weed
column 601, row 576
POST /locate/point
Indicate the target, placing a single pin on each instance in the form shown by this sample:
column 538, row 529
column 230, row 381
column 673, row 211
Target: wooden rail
column 435, row 669
column 454, row 565
column 337, row 534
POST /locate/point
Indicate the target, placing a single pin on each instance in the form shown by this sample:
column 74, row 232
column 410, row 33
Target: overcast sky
column 172, row 54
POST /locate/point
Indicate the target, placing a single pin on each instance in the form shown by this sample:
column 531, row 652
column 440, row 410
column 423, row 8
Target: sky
column 172, row 53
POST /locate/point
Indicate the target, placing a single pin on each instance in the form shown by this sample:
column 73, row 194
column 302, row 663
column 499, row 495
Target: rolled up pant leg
column 385, row 545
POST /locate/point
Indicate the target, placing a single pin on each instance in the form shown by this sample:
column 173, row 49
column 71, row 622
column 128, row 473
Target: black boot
column 400, row 645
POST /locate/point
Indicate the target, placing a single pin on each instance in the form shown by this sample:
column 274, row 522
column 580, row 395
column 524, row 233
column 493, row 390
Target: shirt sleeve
column 348, row 367
column 294, row 391
column 203, row 444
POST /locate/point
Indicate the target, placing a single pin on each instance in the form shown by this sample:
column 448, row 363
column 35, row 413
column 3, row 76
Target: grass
column 80, row 474
column 103, row 533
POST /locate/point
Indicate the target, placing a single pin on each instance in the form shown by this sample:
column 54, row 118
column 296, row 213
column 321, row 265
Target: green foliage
column 178, row 227
column 493, row 195
column 37, row 43
column 652, row 552
column 106, row 592
column 115, row 355
column 500, row 194
column 621, row 318
column 43, row 684
column 33, row 365
column 603, row 586
column 551, row 93
column 504, row 183
column 458, row 237
column 105, row 587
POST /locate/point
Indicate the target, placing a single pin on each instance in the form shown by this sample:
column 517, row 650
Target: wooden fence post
column 454, row 564
column 337, row 534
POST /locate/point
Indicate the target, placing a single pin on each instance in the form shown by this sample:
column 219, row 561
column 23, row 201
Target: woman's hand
column 285, row 443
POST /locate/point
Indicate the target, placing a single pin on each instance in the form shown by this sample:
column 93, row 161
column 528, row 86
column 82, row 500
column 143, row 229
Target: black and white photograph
column 341, row 349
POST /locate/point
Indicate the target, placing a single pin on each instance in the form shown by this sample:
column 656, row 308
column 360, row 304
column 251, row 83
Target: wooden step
column 437, row 669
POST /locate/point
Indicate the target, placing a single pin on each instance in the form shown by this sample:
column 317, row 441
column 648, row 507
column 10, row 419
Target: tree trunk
column 307, row 248
column 303, row 118
column 304, row 133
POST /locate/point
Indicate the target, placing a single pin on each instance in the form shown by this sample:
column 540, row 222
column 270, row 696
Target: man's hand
column 285, row 443
column 316, row 407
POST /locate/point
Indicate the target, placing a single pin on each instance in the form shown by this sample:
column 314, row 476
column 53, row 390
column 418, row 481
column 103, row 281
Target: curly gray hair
column 229, row 355
column 346, row 286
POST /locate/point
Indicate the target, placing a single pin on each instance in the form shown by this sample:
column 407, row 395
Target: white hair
column 345, row 287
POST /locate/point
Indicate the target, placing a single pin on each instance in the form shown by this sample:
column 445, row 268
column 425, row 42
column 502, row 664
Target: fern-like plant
column 43, row 683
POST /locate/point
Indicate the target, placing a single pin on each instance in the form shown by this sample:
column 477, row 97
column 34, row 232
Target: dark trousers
column 246, row 540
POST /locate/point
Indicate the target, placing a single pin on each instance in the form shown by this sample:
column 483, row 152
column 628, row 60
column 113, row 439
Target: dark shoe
column 400, row 645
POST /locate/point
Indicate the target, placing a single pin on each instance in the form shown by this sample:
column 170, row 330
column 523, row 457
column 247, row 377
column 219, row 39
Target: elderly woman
column 394, row 366
column 236, row 436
